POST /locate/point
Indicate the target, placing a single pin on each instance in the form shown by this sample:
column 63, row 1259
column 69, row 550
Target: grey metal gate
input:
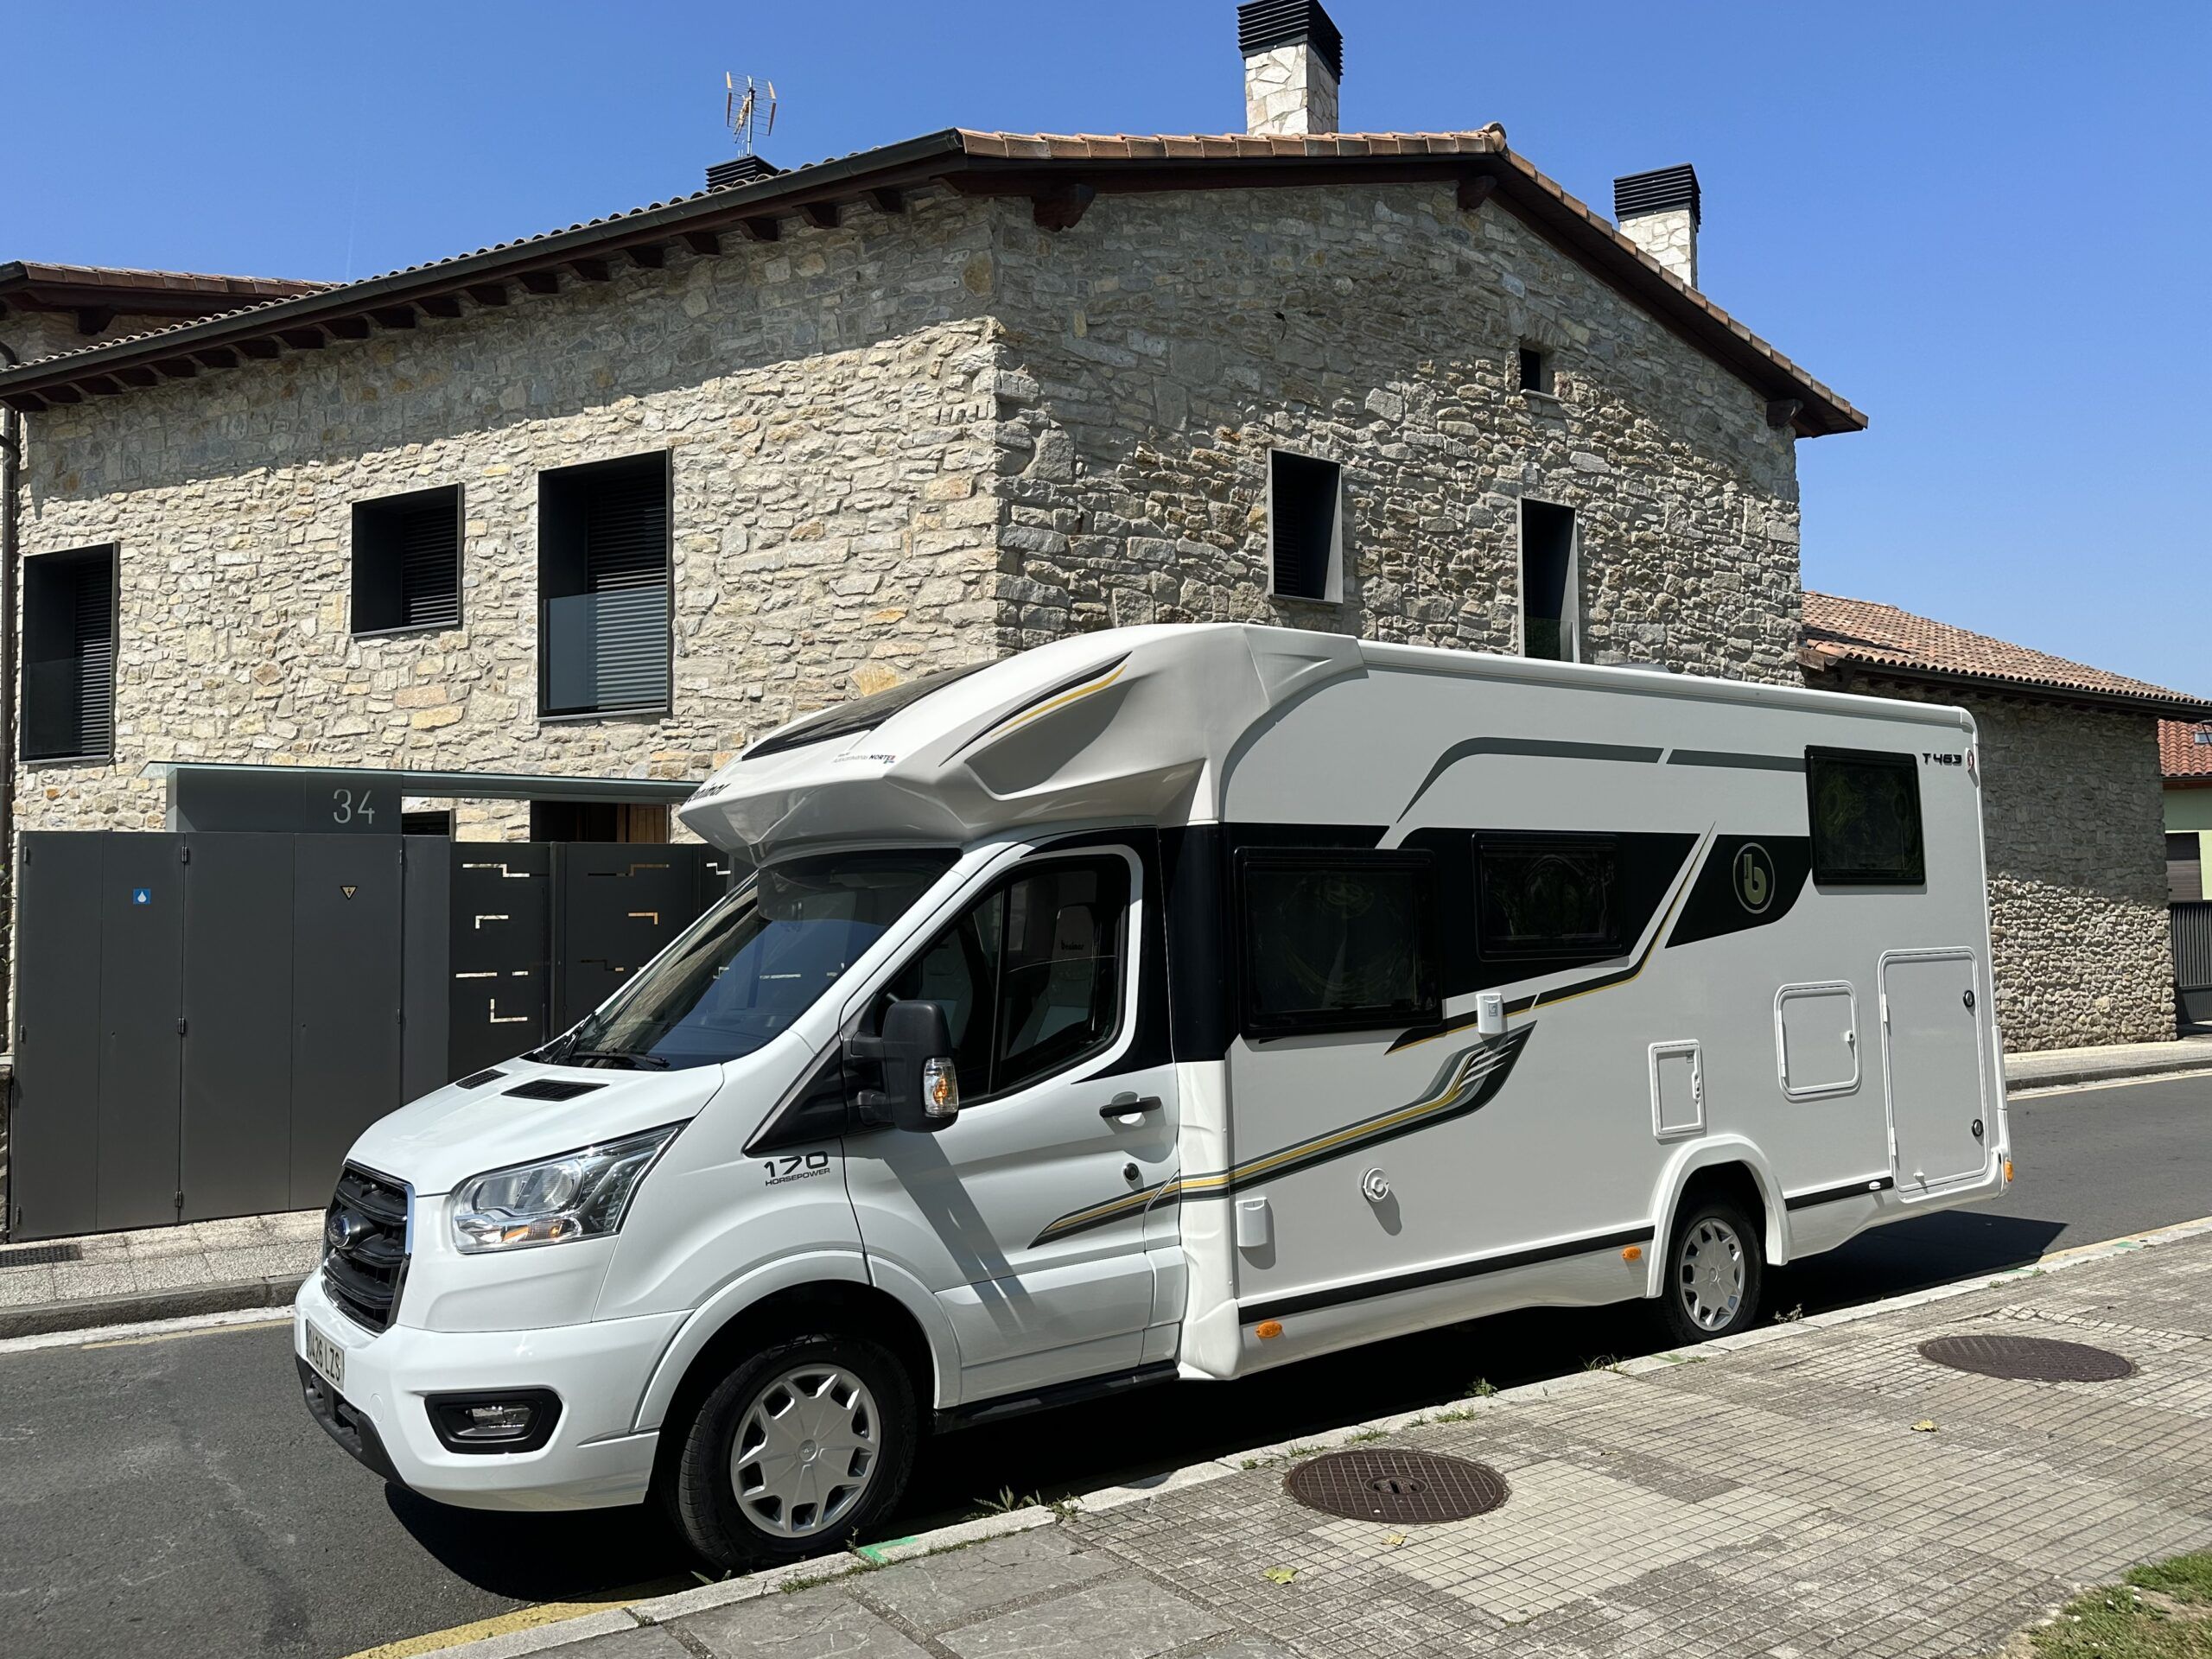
column 2192, row 931
column 206, row 1021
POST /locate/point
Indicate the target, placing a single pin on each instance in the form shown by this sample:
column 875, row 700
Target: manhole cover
column 1401, row 1488
column 2028, row 1359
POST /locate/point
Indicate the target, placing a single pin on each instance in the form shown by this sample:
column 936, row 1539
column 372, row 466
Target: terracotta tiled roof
column 1853, row 633
column 22, row 273
column 981, row 162
column 2185, row 749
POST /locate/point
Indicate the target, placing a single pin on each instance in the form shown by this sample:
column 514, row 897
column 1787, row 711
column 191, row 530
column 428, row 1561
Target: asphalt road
column 172, row 1494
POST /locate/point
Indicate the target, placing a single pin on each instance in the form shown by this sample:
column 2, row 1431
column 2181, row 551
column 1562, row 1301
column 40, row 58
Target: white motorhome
column 1174, row 1002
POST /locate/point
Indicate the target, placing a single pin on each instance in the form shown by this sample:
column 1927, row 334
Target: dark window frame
column 1132, row 875
column 1570, row 604
column 394, row 506
column 1331, row 585
column 1826, row 874
column 1549, row 841
column 79, row 756
column 639, row 461
column 1255, row 1022
column 1529, row 354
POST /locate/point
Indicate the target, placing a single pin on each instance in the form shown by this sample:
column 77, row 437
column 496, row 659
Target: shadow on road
column 1052, row 1454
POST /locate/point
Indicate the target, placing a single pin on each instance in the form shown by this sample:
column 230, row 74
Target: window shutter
column 429, row 568
column 626, row 566
column 95, row 656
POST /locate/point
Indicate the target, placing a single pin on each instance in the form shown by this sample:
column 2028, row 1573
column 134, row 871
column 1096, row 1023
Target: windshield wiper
column 614, row 1057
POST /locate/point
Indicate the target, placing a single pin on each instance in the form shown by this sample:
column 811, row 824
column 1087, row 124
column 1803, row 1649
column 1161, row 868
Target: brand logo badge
column 343, row 1229
column 1754, row 874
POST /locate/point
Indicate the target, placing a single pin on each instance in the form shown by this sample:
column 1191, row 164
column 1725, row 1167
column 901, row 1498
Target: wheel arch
column 1720, row 1162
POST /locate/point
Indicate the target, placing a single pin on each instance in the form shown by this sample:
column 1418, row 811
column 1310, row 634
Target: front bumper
column 598, row 1369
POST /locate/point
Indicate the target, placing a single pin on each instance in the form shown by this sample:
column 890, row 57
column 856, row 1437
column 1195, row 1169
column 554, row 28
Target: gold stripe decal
column 1467, row 1081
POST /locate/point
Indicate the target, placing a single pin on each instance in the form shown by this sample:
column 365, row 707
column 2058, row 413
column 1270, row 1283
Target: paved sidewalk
column 2058, row 1068
column 157, row 1273
column 1817, row 1488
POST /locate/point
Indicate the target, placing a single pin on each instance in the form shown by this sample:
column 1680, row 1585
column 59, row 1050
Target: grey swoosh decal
column 1533, row 745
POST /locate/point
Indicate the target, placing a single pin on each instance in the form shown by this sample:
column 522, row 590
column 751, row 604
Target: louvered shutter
column 429, row 568
column 625, row 569
column 95, row 656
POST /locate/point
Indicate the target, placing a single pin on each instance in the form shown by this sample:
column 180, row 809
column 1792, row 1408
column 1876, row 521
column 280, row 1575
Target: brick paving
column 1772, row 1500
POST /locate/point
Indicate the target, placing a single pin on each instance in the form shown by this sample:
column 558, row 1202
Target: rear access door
column 1932, row 1053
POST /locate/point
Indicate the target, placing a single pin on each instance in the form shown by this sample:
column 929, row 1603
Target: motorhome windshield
column 754, row 963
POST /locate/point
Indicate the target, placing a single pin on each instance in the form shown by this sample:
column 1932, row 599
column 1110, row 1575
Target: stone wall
column 2074, row 836
column 825, row 401
column 1156, row 351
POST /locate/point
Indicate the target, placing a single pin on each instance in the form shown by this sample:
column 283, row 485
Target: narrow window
column 1547, row 896
column 604, row 573
column 1550, row 624
column 2185, row 868
column 1336, row 940
column 407, row 562
column 1030, row 978
column 69, row 655
column 1865, row 809
column 1305, row 527
column 1536, row 370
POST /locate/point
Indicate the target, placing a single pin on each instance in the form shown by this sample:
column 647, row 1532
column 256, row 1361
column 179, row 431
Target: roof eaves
column 1833, row 658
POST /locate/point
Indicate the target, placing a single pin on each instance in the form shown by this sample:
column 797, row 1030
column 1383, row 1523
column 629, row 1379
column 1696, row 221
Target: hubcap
column 806, row 1451
column 1712, row 1274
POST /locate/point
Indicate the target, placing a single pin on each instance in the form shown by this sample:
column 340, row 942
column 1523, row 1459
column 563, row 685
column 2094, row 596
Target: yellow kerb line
column 521, row 1618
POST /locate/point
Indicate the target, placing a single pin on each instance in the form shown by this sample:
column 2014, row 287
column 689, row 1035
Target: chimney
column 1293, row 58
column 739, row 169
column 1658, row 211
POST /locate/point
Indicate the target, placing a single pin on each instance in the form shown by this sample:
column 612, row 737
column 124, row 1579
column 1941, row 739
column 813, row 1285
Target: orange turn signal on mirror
column 1267, row 1328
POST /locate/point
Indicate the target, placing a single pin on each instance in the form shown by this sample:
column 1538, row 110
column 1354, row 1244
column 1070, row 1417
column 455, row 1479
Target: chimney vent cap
column 1263, row 25
column 1662, row 190
column 739, row 169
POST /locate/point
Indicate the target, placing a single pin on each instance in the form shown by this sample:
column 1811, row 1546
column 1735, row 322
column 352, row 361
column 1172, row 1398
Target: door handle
column 1129, row 1106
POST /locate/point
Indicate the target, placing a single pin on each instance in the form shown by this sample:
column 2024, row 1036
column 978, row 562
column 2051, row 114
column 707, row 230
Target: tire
column 742, row 1502
column 1716, row 1270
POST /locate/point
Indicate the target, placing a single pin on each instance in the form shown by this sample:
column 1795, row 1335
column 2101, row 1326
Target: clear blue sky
column 1986, row 225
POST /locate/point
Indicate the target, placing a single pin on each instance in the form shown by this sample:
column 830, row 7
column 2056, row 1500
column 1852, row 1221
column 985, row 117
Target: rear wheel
column 801, row 1447
column 1714, row 1273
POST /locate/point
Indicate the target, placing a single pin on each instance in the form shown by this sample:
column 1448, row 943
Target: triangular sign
column 349, row 891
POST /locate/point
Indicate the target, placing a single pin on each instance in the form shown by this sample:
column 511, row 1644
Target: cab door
column 1026, row 1217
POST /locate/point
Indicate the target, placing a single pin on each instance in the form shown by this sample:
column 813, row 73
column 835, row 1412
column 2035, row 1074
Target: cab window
column 1030, row 975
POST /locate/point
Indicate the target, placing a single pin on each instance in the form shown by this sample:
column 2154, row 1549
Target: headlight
column 580, row 1194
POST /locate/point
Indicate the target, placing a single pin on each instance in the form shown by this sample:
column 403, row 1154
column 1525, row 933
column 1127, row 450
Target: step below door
column 1931, row 1050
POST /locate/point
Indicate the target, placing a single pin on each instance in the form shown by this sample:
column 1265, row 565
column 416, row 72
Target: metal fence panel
column 346, row 1001
column 501, row 921
column 141, row 1050
column 619, row 903
column 425, row 975
column 54, row 1151
column 235, row 1156
column 2192, row 925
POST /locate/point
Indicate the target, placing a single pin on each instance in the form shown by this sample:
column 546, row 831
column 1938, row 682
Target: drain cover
column 39, row 1256
column 2028, row 1359
column 1401, row 1488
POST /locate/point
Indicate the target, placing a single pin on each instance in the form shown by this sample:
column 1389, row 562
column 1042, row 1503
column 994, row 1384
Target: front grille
column 364, row 1278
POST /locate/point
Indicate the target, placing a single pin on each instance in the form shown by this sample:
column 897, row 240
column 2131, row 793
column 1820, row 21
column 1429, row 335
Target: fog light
column 518, row 1421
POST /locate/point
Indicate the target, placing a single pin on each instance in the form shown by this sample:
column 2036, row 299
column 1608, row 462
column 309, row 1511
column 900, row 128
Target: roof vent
column 739, row 169
column 1659, row 212
column 550, row 1088
column 1294, row 59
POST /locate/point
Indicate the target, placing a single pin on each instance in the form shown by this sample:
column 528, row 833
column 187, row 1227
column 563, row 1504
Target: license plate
column 328, row 1357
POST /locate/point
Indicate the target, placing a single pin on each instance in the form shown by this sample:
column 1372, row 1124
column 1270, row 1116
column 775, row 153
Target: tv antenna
column 747, row 107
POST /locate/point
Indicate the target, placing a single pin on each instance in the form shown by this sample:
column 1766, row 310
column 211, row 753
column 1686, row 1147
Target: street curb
column 727, row 1593
column 2076, row 1077
column 139, row 1306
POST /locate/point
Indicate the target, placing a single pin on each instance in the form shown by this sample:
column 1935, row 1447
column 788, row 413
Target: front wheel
column 801, row 1447
column 1715, row 1271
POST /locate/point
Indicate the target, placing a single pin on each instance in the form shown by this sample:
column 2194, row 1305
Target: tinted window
column 1864, row 809
column 1337, row 941
column 1031, row 974
column 754, row 963
column 1548, row 896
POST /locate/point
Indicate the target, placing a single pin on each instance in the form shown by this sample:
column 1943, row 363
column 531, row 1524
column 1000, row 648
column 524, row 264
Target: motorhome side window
column 1547, row 896
column 1865, row 809
column 1031, row 974
column 1336, row 940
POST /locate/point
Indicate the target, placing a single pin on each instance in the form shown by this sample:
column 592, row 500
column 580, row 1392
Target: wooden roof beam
column 1060, row 206
column 706, row 244
column 648, row 255
column 542, row 281
column 261, row 348
column 592, row 271
column 439, row 305
column 822, row 215
column 761, row 227
column 888, row 198
column 309, row 338
column 488, row 293
column 348, row 327
column 394, row 316
column 177, row 368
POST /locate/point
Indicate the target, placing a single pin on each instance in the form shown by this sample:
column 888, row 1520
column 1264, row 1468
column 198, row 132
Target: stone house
column 2185, row 762
column 2071, row 817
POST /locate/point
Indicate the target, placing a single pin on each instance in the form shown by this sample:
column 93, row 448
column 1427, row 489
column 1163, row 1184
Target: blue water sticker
column 142, row 895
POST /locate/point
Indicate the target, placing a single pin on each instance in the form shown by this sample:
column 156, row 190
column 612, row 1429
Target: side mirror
column 921, row 1089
